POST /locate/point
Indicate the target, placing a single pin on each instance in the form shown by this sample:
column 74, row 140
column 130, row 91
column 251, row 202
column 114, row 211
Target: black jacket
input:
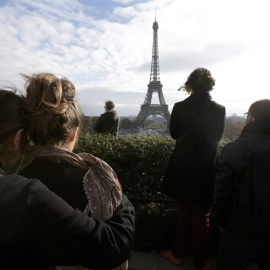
column 60, row 177
column 108, row 122
column 37, row 229
column 235, row 158
column 191, row 170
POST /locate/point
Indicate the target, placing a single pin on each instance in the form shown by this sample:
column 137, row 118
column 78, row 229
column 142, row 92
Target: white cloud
column 124, row 2
column 125, row 12
column 110, row 56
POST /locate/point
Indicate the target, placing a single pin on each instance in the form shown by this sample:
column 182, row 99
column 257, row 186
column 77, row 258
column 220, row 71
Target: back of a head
column 11, row 119
column 199, row 80
column 260, row 109
column 51, row 109
column 109, row 105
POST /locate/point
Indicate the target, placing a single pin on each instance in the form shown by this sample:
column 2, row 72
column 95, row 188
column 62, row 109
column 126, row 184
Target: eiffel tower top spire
column 154, row 75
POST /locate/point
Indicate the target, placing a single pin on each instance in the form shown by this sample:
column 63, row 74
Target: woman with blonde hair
column 37, row 228
column 196, row 124
column 82, row 180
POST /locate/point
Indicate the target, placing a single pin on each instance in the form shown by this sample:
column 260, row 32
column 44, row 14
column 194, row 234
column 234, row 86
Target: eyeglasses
column 246, row 115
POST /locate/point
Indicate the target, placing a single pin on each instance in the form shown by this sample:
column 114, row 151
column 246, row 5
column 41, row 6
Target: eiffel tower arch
column 154, row 86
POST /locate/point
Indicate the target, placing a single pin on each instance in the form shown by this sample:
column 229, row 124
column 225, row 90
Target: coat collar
column 261, row 126
column 200, row 95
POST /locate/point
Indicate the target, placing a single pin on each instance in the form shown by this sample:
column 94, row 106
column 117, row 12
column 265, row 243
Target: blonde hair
column 51, row 108
column 199, row 80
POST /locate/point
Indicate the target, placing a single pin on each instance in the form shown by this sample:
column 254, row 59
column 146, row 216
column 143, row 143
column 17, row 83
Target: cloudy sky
column 105, row 48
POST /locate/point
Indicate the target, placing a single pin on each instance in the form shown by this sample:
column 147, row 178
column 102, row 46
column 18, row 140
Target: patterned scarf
column 100, row 183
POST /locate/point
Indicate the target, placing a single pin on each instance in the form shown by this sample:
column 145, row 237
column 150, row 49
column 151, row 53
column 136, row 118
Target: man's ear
column 250, row 118
column 17, row 140
column 74, row 133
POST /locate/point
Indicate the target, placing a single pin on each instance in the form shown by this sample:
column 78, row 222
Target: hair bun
column 51, row 108
column 45, row 92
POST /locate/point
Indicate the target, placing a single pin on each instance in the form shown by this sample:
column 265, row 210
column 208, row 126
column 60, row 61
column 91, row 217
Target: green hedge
column 139, row 162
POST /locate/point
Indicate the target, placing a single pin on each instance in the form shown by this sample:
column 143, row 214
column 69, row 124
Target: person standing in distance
column 197, row 124
column 108, row 122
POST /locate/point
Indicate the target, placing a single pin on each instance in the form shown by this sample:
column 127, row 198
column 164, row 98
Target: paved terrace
column 154, row 261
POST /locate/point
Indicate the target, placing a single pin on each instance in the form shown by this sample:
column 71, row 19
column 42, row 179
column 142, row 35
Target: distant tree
column 125, row 123
column 239, row 126
column 233, row 128
column 229, row 132
column 93, row 121
column 86, row 124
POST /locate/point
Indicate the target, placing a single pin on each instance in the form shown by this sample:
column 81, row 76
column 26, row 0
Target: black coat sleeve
column 222, row 126
column 223, row 192
column 174, row 125
column 232, row 161
column 65, row 236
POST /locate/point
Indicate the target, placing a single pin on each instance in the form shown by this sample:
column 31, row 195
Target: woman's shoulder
column 191, row 99
column 180, row 105
column 220, row 106
column 61, row 177
column 51, row 168
column 93, row 160
column 49, row 163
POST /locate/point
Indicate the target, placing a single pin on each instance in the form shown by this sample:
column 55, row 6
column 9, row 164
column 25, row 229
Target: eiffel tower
column 154, row 85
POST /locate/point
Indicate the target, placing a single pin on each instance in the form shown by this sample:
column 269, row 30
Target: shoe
column 167, row 254
column 207, row 266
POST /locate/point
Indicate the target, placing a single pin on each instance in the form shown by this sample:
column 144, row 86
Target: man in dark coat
column 243, row 242
column 108, row 122
column 197, row 125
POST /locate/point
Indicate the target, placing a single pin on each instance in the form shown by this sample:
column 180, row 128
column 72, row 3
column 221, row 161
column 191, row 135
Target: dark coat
column 37, row 228
column 191, row 170
column 60, row 177
column 234, row 159
column 108, row 122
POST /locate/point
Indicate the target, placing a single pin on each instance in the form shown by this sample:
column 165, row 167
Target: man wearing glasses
column 242, row 194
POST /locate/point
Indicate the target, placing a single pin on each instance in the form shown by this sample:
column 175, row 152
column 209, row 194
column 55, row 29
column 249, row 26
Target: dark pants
column 192, row 221
column 236, row 253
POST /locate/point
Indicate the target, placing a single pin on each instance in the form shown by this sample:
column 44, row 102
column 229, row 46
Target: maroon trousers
column 193, row 221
